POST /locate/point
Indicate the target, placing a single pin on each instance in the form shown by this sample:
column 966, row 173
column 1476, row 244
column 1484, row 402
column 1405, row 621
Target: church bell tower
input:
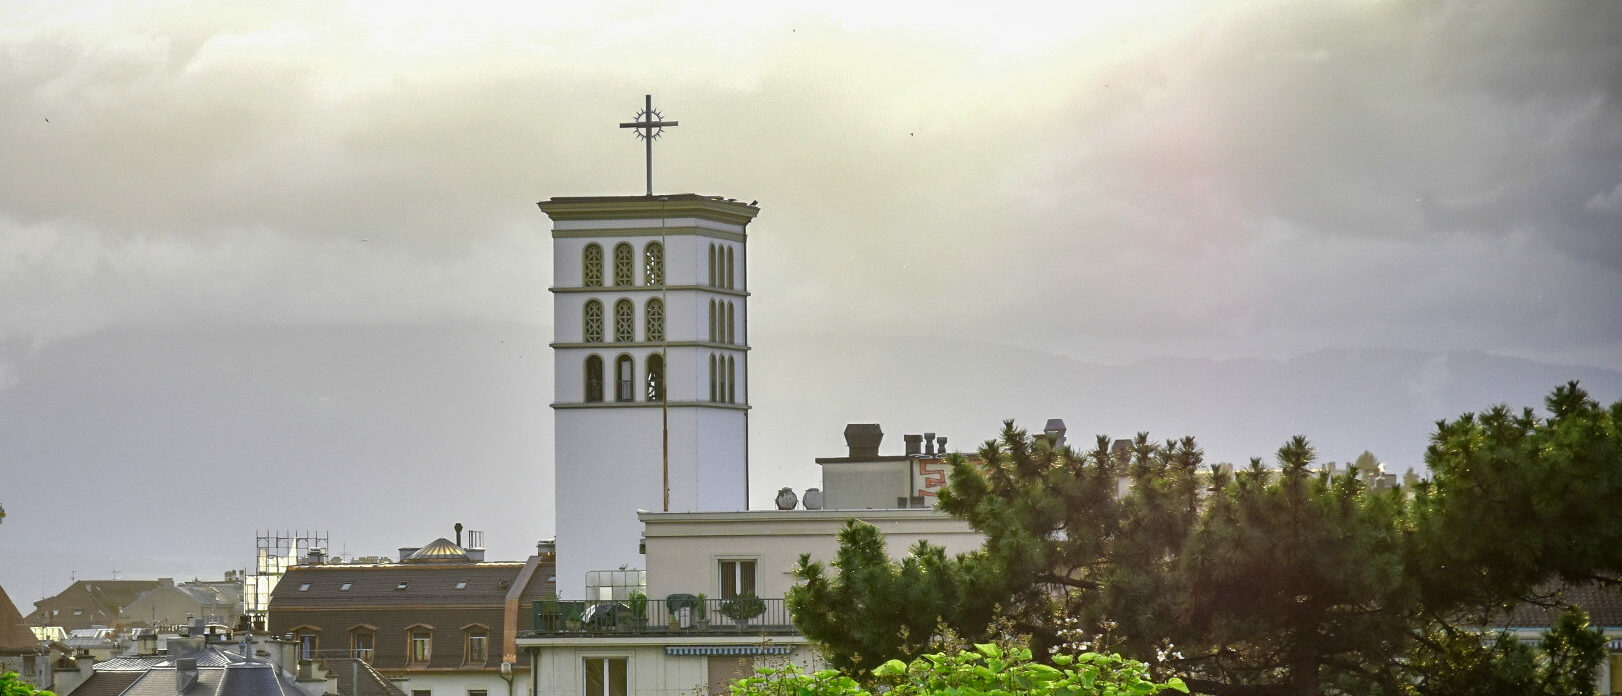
column 650, row 353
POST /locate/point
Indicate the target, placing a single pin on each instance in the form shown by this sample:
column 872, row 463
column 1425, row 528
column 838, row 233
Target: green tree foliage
column 1281, row 581
column 987, row 670
column 13, row 685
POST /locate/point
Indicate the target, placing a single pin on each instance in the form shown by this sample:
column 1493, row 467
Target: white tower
column 651, row 368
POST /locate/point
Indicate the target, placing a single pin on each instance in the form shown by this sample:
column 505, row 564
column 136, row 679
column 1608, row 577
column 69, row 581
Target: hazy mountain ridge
column 161, row 453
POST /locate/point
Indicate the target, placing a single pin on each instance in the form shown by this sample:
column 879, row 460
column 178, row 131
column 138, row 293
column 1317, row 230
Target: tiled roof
column 219, row 673
column 344, row 669
column 1603, row 604
column 486, row 584
column 14, row 636
column 107, row 683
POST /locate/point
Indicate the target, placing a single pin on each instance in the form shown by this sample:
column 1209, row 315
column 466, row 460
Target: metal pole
column 649, row 143
column 664, row 339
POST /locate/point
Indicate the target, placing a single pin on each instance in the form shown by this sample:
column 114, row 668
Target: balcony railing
column 740, row 615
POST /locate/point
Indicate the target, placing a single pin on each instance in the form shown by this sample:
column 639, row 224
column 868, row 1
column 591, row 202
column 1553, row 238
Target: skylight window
column 461, row 585
column 304, row 587
column 345, row 587
column 402, row 584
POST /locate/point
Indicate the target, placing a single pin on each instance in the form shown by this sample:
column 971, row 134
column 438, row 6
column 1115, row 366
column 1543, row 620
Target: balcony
column 675, row 617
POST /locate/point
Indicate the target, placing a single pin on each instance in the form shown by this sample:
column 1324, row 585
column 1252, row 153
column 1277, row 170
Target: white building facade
column 651, row 369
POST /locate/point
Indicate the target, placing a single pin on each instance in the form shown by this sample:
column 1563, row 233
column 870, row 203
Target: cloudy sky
column 1104, row 182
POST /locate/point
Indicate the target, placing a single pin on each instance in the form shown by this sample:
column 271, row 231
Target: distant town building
column 88, row 603
column 20, row 650
column 439, row 621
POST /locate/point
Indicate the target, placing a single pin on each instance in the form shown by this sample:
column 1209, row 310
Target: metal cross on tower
column 650, row 125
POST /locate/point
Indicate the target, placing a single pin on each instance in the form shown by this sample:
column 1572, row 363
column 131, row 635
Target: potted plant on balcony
column 742, row 608
column 701, row 610
column 639, row 609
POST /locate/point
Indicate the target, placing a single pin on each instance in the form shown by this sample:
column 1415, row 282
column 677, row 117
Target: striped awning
column 727, row 650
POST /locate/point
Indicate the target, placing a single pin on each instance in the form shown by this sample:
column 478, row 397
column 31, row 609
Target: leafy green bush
column 986, row 670
column 12, row 685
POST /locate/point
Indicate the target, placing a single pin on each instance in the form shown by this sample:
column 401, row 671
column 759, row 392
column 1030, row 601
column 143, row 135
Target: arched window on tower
column 653, row 264
column 594, row 378
column 712, row 321
column 592, row 270
column 656, row 378
column 712, row 265
column 624, row 322
column 732, row 381
column 624, row 378
column 729, row 267
column 728, row 323
column 624, row 268
column 593, row 330
column 655, row 329
column 712, row 378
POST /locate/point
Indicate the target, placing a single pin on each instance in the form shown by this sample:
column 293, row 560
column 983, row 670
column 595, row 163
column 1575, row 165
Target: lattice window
column 593, row 331
column 624, row 267
column 624, row 322
column 653, row 264
column 594, row 378
column 592, row 273
column 655, row 311
column 655, row 381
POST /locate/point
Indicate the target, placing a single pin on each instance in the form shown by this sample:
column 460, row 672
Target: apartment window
column 624, row 269
column 419, row 644
column 732, row 381
column 593, row 317
column 624, row 378
column 737, row 577
column 594, row 378
column 593, row 271
column 605, row 676
column 478, row 645
column 655, row 312
column 713, row 383
column 653, row 264
column 362, row 643
column 712, row 265
column 656, row 378
column 728, row 323
column 624, row 321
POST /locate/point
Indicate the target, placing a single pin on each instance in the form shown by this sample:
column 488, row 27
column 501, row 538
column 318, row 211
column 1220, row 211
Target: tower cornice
column 713, row 208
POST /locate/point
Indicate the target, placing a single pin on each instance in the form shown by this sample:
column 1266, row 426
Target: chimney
column 458, row 533
column 929, row 443
column 914, row 444
column 185, row 673
column 546, row 547
column 1054, row 430
column 406, row 551
column 863, row 439
column 940, row 444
